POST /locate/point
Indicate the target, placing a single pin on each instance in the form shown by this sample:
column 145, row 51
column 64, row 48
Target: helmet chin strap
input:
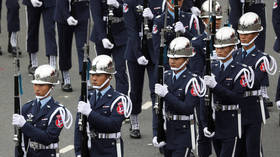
column 249, row 43
column 177, row 69
column 229, row 54
column 103, row 84
column 42, row 97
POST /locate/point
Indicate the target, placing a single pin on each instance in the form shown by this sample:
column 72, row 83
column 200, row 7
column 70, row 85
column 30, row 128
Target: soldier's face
column 218, row 22
column 177, row 62
column 41, row 89
column 99, row 79
column 246, row 38
column 224, row 51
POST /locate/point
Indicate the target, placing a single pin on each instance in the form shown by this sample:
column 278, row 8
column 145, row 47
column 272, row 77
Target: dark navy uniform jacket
column 102, row 120
column 36, row 128
column 46, row 3
column 133, row 22
column 79, row 10
column 177, row 102
column 276, row 24
column 99, row 11
column 227, row 92
column 251, row 112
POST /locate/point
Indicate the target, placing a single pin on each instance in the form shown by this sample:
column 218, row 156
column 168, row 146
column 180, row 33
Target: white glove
column 79, row 156
column 71, row 21
column 148, row 13
column 107, row 43
column 210, row 81
column 207, row 133
column 113, row 3
column 36, row 3
column 142, row 60
column 161, row 90
column 278, row 104
column 84, row 108
column 179, row 27
column 195, row 11
column 18, row 120
column 156, row 144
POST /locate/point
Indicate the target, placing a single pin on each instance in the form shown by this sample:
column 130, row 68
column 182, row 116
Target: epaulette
column 157, row 16
column 241, row 64
column 194, row 38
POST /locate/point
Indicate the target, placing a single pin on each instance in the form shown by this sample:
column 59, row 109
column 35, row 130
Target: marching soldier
column 42, row 119
column 180, row 93
column 140, row 55
column 105, row 111
column 253, row 111
column 72, row 17
column 186, row 26
column 228, row 85
column 240, row 7
column 110, row 36
column 13, row 25
column 36, row 8
column 197, row 64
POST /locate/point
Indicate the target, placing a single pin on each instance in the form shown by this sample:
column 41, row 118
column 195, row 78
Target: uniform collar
column 249, row 50
column 44, row 101
column 178, row 74
column 103, row 91
column 226, row 63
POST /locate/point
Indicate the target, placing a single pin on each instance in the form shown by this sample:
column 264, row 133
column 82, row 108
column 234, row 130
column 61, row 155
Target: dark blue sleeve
column 46, row 137
column 133, row 43
column 97, row 15
column 62, row 11
column 277, row 97
column 156, row 37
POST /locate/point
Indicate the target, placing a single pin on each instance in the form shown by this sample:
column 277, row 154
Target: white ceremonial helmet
column 249, row 23
column 102, row 64
column 225, row 36
column 45, row 74
column 180, row 47
column 205, row 11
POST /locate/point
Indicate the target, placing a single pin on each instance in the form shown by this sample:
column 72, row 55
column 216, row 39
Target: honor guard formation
column 208, row 75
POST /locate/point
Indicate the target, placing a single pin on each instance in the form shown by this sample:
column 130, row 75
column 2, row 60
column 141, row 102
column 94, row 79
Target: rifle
column 146, row 33
column 17, row 90
column 209, row 47
column 109, row 23
column 82, row 122
column 176, row 15
column 159, row 101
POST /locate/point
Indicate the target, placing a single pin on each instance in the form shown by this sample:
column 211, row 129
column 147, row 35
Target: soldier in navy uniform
column 105, row 111
column 240, row 7
column 72, row 18
column 42, row 119
column 13, row 25
column 228, row 85
column 110, row 36
column 36, row 8
column 276, row 47
column 186, row 26
column 180, row 94
column 253, row 111
column 138, row 58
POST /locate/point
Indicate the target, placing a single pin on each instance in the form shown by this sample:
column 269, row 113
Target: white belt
column 106, row 135
column 74, row 1
column 36, row 145
column 114, row 19
column 252, row 1
column 220, row 107
column 252, row 93
column 179, row 117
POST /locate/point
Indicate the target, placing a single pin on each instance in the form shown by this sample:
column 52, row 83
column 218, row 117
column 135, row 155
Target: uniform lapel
column 43, row 111
column 105, row 98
